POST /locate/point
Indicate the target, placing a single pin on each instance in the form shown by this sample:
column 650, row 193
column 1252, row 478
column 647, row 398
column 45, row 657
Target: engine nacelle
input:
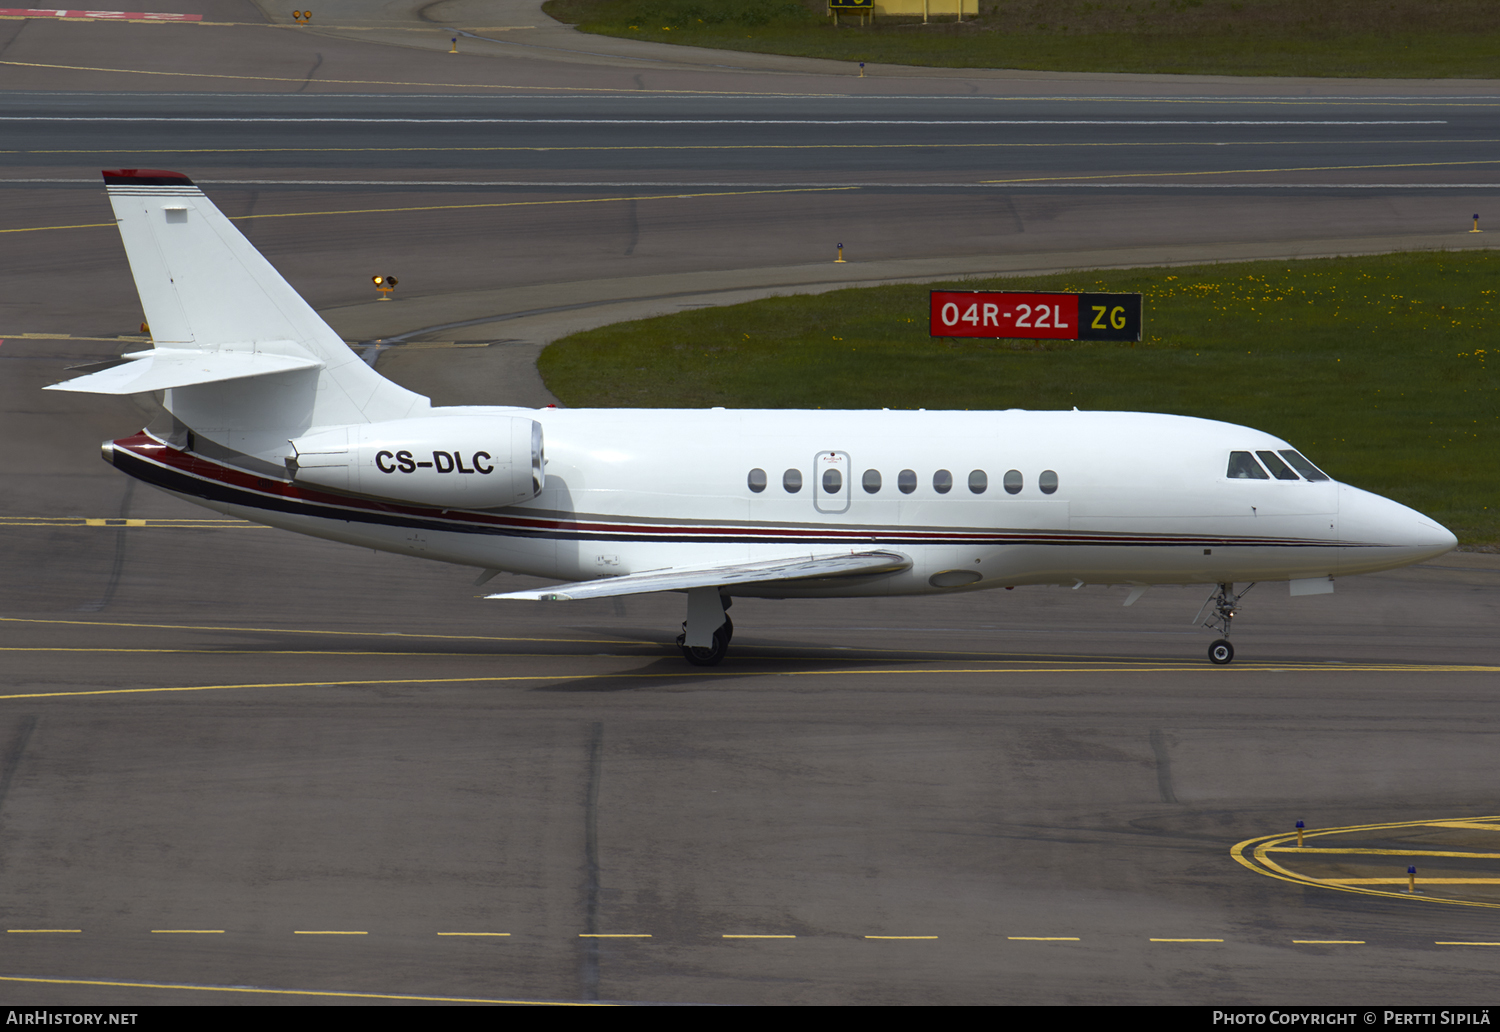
column 454, row 462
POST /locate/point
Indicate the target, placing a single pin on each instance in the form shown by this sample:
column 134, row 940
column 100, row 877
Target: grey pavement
column 219, row 744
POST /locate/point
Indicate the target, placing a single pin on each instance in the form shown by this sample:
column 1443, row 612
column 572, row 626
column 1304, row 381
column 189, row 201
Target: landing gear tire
column 709, row 656
column 1220, row 652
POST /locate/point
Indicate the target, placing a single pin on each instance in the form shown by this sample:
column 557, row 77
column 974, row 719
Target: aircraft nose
column 1379, row 534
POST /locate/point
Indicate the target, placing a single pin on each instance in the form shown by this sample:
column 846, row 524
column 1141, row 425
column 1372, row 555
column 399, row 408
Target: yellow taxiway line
column 488, row 204
column 290, row 992
column 302, row 80
column 1243, row 171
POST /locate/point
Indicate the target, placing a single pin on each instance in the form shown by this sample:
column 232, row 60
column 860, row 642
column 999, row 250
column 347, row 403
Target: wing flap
column 165, row 368
column 786, row 568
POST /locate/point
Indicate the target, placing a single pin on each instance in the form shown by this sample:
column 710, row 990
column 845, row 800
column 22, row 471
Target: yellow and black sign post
column 864, row 8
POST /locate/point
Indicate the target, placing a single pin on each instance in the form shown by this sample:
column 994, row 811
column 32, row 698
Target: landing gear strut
column 1224, row 602
column 706, row 633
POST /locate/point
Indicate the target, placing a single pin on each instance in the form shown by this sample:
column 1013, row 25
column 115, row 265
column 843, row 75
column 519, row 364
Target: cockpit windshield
column 1279, row 469
column 1242, row 466
column 1301, row 465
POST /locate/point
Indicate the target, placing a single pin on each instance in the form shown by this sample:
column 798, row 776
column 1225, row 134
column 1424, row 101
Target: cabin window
column 756, row 480
column 792, row 481
column 1014, row 481
column 833, row 481
column 1242, row 466
column 906, row 481
column 871, row 481
column 1301, row 465
column 1279, row 469
column 1047, row 481
column 942, row 481
column 978, row 481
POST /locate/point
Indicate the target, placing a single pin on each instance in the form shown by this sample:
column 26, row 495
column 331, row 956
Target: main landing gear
column 1224, row 602
column 706, row 633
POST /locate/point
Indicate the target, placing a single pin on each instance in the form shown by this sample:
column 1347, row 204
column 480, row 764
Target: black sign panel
column 1109, row 317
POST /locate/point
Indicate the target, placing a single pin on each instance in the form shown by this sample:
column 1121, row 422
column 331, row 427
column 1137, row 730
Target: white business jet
column 270, row 417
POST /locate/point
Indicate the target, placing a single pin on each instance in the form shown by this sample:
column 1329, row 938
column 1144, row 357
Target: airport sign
column 1045, row 316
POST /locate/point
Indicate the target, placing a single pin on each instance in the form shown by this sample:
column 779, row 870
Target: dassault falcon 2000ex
column 269, row 416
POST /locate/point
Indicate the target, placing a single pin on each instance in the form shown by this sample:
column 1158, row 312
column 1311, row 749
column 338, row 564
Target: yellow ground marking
column 1006, row 657
column 38, row 229
column 147, row 340
column 187, row 931
column 69, row 336
column 1441, row 943
column 337, row 653
column 760, row 937
column 392, row 27
column 1187, row 940
column 1329, row 942
column 291, row 992
column 113, row 522
column 677, row 675
column 1382, row 852
column 492, row 204
column 543, row 148
column 44, row 931
column 497, row 935
column 901, row 937
column 613, row 935
column 532, row 204
column 1259, row 862
column 304, row 630
column 1055, row 938
column 391, row 82
column 330, row 933
column 1283, row 102
column 1245, row 171
column 1479, row 826
column 1421, row 880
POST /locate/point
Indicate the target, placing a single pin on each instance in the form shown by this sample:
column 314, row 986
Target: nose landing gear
column 1224, row 602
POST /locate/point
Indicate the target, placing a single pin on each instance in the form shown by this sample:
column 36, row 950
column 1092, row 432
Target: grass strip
column 1332, row 38
column 1380, row 369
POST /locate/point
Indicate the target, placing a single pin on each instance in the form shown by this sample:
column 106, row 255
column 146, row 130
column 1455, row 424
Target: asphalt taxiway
column 242, row 766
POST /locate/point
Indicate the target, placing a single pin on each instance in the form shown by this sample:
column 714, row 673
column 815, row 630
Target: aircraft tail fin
column 206, row 289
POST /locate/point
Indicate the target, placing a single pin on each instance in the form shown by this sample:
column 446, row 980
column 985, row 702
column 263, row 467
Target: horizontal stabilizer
column 165, row 368
column 788, row 568
column 204, row 287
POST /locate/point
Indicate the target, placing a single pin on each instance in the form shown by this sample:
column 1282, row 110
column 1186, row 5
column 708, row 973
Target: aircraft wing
column 760, row 571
